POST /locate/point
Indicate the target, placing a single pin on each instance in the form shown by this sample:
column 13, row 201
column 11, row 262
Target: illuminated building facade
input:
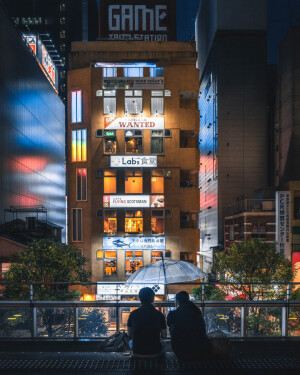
column 32, row 142
column 233, row 138
column 133, row 156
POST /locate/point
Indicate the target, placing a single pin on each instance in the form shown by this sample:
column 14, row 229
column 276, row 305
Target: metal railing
column 250, row 205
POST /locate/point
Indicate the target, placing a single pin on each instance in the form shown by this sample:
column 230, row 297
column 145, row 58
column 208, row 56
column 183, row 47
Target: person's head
column 146, row 296
column 182, row 297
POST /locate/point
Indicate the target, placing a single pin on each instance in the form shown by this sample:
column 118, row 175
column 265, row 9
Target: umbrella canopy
column 166, row 272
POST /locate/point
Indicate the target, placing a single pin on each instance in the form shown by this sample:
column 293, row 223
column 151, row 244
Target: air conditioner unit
column 99, row 133
column 168, row 133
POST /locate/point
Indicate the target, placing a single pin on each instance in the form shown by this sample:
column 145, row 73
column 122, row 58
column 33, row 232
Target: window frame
column 135, row 135
column 105, row 259
column 164, row 254
column 75, row 238
column 157, row 136
column 105, row 137
column 109, row 97
column 81, row 200
column 140, row 96
column 78, row 111
column 114, row 69
column 134, row 257
column 134, row 217
column 158, row 176
column 159, row 95
column 75, row 145
column 115, row 176
column 130, row 173
column 158, row 217
column 105, row 210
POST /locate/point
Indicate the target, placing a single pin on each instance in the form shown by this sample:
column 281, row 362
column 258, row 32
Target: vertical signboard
column 147, row 20
column 48, row 64
column 283, row 222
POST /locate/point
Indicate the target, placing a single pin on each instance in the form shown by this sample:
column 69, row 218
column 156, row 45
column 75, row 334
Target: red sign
column 296, row 266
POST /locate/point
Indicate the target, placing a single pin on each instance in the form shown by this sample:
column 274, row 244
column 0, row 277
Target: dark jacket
column 188, row 334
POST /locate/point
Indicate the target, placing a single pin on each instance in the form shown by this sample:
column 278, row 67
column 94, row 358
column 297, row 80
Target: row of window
column 134, row 222
column 133, row 260
column 133, row 182
column 133, row 143
column 133, row 102
column 135, row 72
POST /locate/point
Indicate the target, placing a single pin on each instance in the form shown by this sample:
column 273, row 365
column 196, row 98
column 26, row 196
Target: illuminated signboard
column 126, row 289
column 48, row 64
column 283, row 222
column 114, row 201
column 136, row 201
column 157, row 201
column 150, row 83
column 134, row 122
column 133, row 161
column 109, row 133
column 134, row 243
column 146, row 20
column 31, row 41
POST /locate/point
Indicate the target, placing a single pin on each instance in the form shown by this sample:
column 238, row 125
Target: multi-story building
column 247, row 219
column 233, row 139
column 32, row 145
column 133, row 156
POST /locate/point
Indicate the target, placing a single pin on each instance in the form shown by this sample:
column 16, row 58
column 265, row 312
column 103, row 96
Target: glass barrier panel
column 14, row 322
column 263, row 321
column 294, row 321
column 96, row 321
column 223, row 321
column 124, row 315
column 55, row 322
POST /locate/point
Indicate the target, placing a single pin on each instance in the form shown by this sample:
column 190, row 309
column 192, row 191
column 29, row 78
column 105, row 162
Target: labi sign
column 133, row 161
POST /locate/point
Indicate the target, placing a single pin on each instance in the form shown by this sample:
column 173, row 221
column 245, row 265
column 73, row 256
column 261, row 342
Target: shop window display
column 134, row 222
column 110, row 221
column 134, row 260
column 133, row 141
column 110, row 263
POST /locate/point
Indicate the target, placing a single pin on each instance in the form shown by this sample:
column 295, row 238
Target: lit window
column 157, row 102
column 133, row 72
column 109, row 72
column 99, row 254
column 5, row 267
column 109, row 102
column 77, row 224
column 81, row 184
column 133, row 102
column 158, row 255
column 79, row 139
column 110, row 263
column 110, row 142
column 110, row 182
column 156, row 72
column 134, row 222
column 133, row 181
column 76, row 106
column 157, row 142
column 134, row 260
column 157, row 222
column 133, row 141
column 157, row 181
column 110, row 221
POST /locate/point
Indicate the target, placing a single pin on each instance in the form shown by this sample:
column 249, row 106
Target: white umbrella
column 166, row 272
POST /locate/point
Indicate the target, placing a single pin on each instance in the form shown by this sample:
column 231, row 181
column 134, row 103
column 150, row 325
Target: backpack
column 118, row 342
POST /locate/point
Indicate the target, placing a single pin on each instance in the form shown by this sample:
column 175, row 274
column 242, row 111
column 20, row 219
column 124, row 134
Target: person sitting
column 146, row 326
column 187, row 328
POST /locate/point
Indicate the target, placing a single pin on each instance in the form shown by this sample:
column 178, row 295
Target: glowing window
column 157, row 255
column 79, row 145
column 156, row 72
column 133, row 182
column 77, row 224
column 133, row 72
column 110, row 221
column 157, row 222
column 134, row 222
column 110, row 263
column 157, row 182
column 110, row 142
column 99, row 254
column 109, row 102
column 81, row 184
column 110, row 182
column 133, row 141
column 134, row 260
column 76, row 107
column 5, row 267
column 133, row 102
column 109, row 72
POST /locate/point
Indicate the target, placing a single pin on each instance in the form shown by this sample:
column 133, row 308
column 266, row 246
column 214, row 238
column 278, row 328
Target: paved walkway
column 91, row 363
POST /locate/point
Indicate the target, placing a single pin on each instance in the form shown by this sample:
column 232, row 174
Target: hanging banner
column 126, row 289
column 142, row 83
column 133, row 161
column 124, row 201
column 283, row 222
column 134, row 243
column 134, row 122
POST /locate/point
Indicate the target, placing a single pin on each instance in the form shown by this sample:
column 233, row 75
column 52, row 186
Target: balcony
column 250, row 205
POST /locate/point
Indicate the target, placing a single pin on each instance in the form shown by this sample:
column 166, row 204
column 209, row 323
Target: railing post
column 243, row 321
column 33, row 322
column 117, row 316
column 284, row 321
column 202, row 293
column 31, row 292
column 75, row 312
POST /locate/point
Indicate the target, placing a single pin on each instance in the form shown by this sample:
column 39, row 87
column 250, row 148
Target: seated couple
column 147, row 328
